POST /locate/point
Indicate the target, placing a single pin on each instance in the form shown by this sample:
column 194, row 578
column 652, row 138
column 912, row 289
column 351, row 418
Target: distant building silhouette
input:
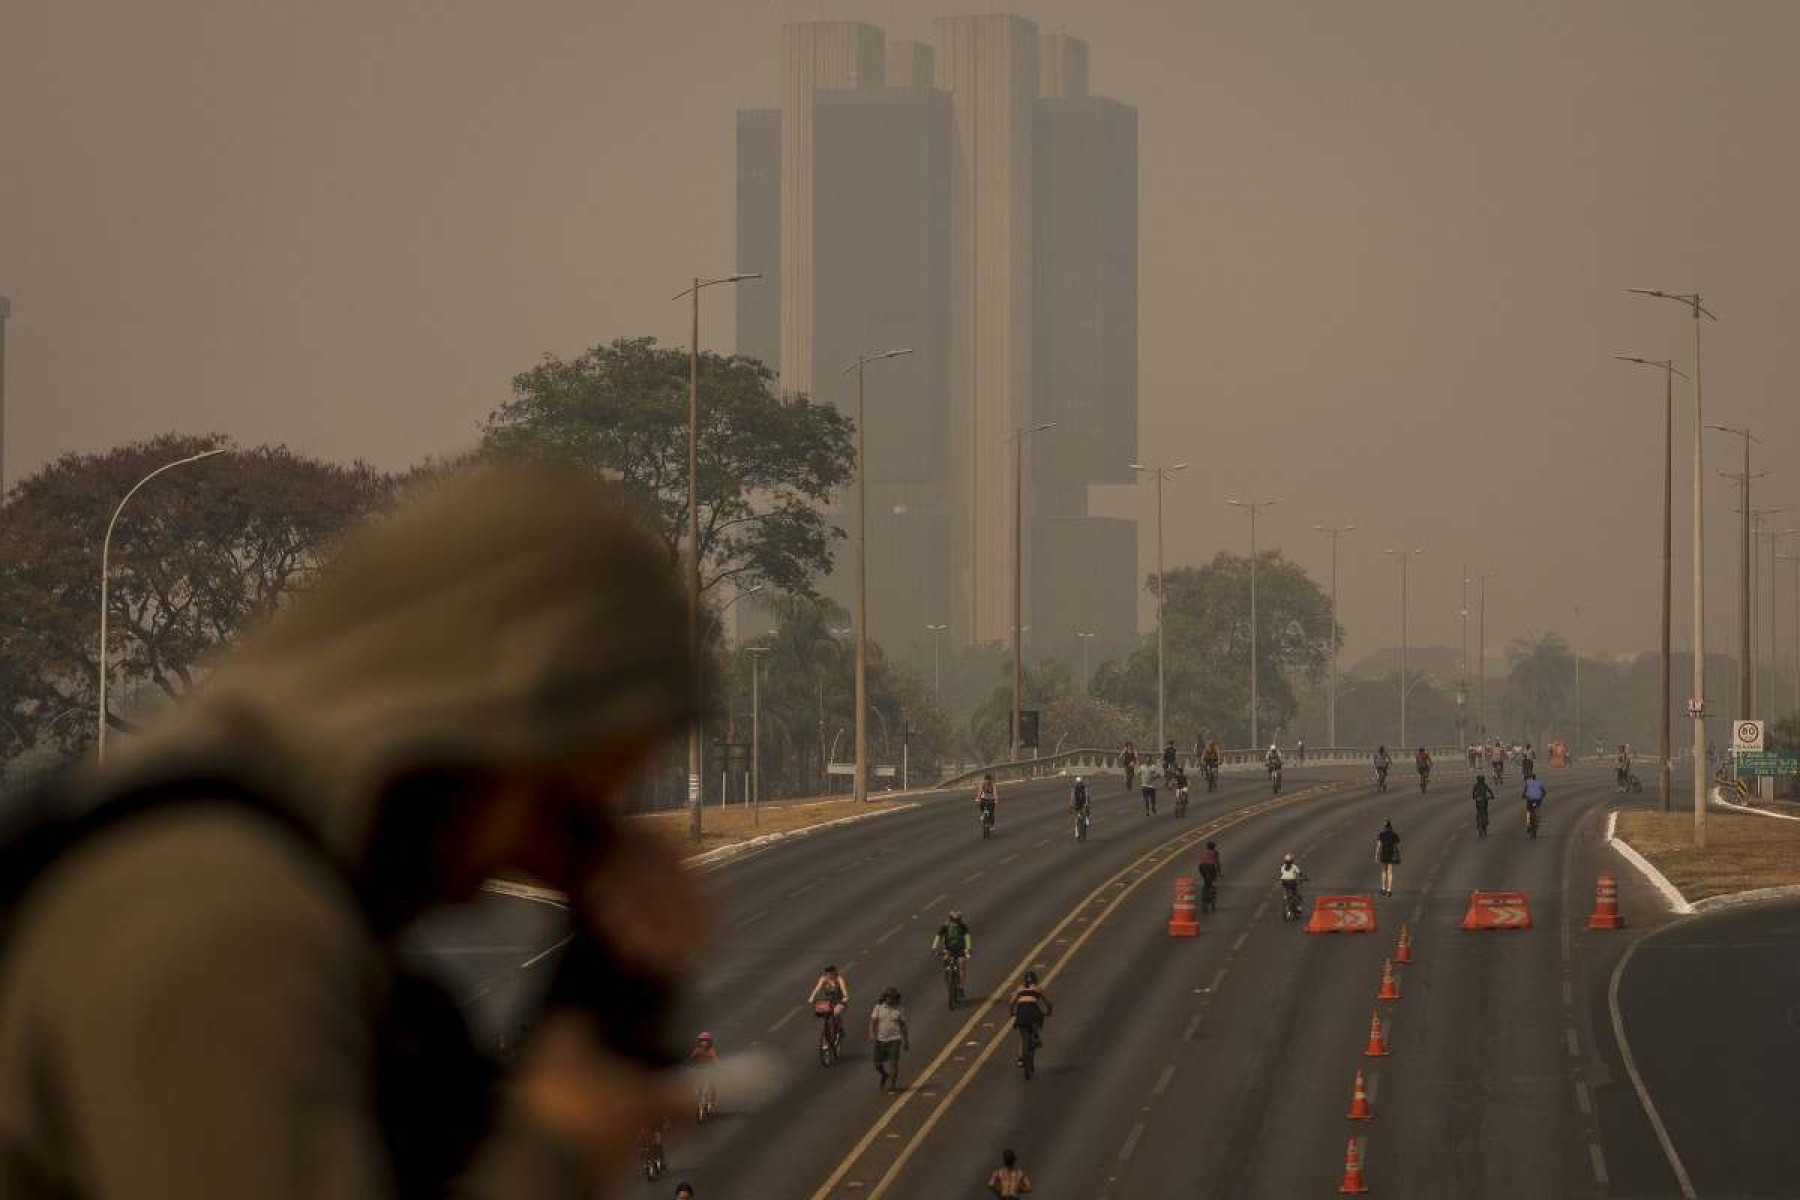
column 972, row 201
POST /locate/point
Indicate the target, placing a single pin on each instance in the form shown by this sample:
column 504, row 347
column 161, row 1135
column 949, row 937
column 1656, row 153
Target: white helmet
column 1288, row 858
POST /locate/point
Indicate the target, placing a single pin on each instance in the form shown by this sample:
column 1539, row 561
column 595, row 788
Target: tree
column 196, row 557
column 1207, row 649
column 1540, row 687
column 767, row 464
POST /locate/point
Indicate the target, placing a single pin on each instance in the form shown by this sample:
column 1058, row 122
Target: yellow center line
column 1145, row 866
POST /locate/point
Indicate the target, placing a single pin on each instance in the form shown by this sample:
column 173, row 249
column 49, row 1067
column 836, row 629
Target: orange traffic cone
column 1353, row 1184
column 1606, row 905
column 1377, row 1041
column 1403, row 952
column 1359, row 1100
column 1390, row 986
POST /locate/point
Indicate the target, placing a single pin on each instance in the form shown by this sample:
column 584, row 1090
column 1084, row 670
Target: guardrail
column 1068, row 761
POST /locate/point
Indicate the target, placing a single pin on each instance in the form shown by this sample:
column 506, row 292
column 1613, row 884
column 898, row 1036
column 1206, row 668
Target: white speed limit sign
column 1747, row 735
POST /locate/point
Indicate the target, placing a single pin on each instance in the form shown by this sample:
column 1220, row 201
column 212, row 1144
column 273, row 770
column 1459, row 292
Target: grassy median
column 730, row 824
column 1742, row 852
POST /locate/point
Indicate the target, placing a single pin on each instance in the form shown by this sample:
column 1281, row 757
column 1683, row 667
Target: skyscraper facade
column 971, row 201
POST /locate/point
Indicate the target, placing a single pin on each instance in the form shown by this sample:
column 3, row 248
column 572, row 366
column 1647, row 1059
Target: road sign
column 840, row 768
column 1780, row 764
column 1746, row 735
column 1696, row 706
column 1497, row 910
column 1343, row 914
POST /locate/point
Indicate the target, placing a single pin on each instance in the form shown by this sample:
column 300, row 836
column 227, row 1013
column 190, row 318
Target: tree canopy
column 768, row 464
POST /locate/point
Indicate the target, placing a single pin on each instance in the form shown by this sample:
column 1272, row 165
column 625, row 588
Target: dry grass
column 728, row 825
column 1742, row 852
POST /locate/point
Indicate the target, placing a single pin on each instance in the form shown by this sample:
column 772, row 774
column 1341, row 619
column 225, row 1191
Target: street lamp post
column 756, row 654
column 937, row 647
column 1577, row 649
column 1161, row 475
column 1334, row 532
column 693, row 557
column 1746, row 686
column 1769, row 696
column 860, row 789
column 1697, row 702
column 106, row 580
column 1481, row 655
column 1087, row 675
column 1405, row 557
column 1018, row 669
column 1795, row 559
column 1462, row 686
column 1253, row 507
column 1669, row 370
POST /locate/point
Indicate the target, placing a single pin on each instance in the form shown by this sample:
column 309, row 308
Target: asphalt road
column 1711, row 1007
column 1219, row 1065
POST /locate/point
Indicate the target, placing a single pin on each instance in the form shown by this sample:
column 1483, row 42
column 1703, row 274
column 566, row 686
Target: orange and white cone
column 1353, row 1184
column 1390, row 986
column 1377, row 1041
column 1403, row 952
column 1359, row 1100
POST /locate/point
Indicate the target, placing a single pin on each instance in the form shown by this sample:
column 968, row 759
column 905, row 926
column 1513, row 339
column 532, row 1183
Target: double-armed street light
column 1670, row 371
column 1161, row 475
column 937, row 649
column 1746, row 671
column 1405, row 558
column 1697, row 701
column 105, row 585
column 861, row 616
column 695, row 771
column 1253, row 507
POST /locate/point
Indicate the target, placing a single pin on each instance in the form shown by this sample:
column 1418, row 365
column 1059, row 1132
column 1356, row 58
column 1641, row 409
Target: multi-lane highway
column 1217, row 1065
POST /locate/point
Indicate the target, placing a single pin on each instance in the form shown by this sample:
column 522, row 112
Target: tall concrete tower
column 5, row 316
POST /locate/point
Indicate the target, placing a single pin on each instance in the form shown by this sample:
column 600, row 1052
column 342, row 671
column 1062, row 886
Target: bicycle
column 1083, row 821
column 1381, row 779
column 1481, row 820
column 650, row 1154
column 1531, row 822
column 987, row 821
column 1275, row 781
column 1424, row 781
column 706, row 1102
column 1030, row 1041
column 1209, row 893
column 1293, row 907
column 1181, row 801
column 953, row 978
column 831, row 1032
column 1130, row 776
column 1149, row 793
column 1211, row 771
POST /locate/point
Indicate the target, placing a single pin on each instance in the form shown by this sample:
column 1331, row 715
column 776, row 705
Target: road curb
column 1718, row 797
column 1671, row 895
column 739, row 849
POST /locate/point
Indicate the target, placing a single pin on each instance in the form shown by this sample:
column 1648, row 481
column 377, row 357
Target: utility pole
column 1696, row 701
column 1462, row 687
column 1334, row 533
column 1253, row 507
column 1746, row 684
column 1481, row 655
column 5, row 316
column 1161, row 475
column 1087, row 675
column 1577, row 649
column 937, row 649
column 1795, row 559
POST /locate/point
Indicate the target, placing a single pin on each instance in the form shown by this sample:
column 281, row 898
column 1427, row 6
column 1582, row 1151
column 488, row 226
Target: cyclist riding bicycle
column 704, row 1053
column 1210, row 869
column 1291, row 877
column 1272, row 760
column 1481, row 793
column 1078, row 796
column 1622, row 766
column 1422, row 760
column 955, row 941
column 1181, row 787
column 1029, row 1009
column 1382, row 762
column 1534, row 795
column 832, row 989
column 987, row 798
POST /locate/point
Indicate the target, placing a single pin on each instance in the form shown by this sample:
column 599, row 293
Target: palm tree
column 1541, row 685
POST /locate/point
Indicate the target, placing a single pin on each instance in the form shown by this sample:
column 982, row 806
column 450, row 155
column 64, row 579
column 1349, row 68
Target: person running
column 887, row 1033
column 1422, row 761
column 1387, row 853
column 1481, row 794
column 1128, row 763
column 1148, row 791
column 1528, row 760
column 1382, row 762
column 1169, row 756
column 1009, row 1178
column 1030, row 1008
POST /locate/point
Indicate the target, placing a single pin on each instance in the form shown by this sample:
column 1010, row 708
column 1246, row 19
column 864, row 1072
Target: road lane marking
column 1239, row 943
column 541, row 955
column 1637, row 1081
column 1218, row 978
column 1126, row 881
column 974, row 877
column 792, row 1013
column 1568, row 994
column 802, row 890
column 1599, row 1163
column 1260, row 910
column 1130, row 1147
column 1009, row 857
column 1162, row 1081
column 936, row 900
column 1582, row 1100
column 890, row 933
column 1574, row 1048
column 753, row 918
column 1187, row 1035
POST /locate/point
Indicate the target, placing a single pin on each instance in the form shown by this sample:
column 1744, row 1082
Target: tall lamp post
column 1577, row 649
column 1405, row 558
column 1766, row 697
column 1746, row 686
column 1334, row 532
column 1481, row 654
column 1795, row 559
column 1018, row 629
column 861, row 615
column 756, row 656
column 106, row 580
column 1462, row 686
column 1253, row 507
column 937, row 651
column 1087, row 640
column 1664, row 746
column 693, row 556
column 1697, row 701
column 1161, row 475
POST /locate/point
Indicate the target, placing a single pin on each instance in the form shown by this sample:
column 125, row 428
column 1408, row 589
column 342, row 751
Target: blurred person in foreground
column 199, row 995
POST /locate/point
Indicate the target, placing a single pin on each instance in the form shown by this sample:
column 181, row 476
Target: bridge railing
column 1068, row 762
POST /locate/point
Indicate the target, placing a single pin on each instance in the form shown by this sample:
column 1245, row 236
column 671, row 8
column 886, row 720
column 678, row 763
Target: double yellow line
column 870, row 1157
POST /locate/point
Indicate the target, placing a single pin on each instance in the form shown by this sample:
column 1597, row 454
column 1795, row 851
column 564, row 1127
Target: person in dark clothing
column 1387, row 853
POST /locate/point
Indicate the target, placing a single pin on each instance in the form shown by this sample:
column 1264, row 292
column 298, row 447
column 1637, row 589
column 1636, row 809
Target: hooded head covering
column 506, row 618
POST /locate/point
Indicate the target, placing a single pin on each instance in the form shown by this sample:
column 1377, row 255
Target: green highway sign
column 1768, row 762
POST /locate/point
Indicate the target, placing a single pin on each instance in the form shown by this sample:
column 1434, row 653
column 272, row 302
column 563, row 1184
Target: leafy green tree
column 195, row 558
column 1207, row 649
column 1069, row 718
column 1540, row 688
column 768, row 464
column 1369, row 712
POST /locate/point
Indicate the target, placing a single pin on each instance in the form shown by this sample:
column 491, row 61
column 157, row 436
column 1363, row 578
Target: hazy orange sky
column 1383, row 246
